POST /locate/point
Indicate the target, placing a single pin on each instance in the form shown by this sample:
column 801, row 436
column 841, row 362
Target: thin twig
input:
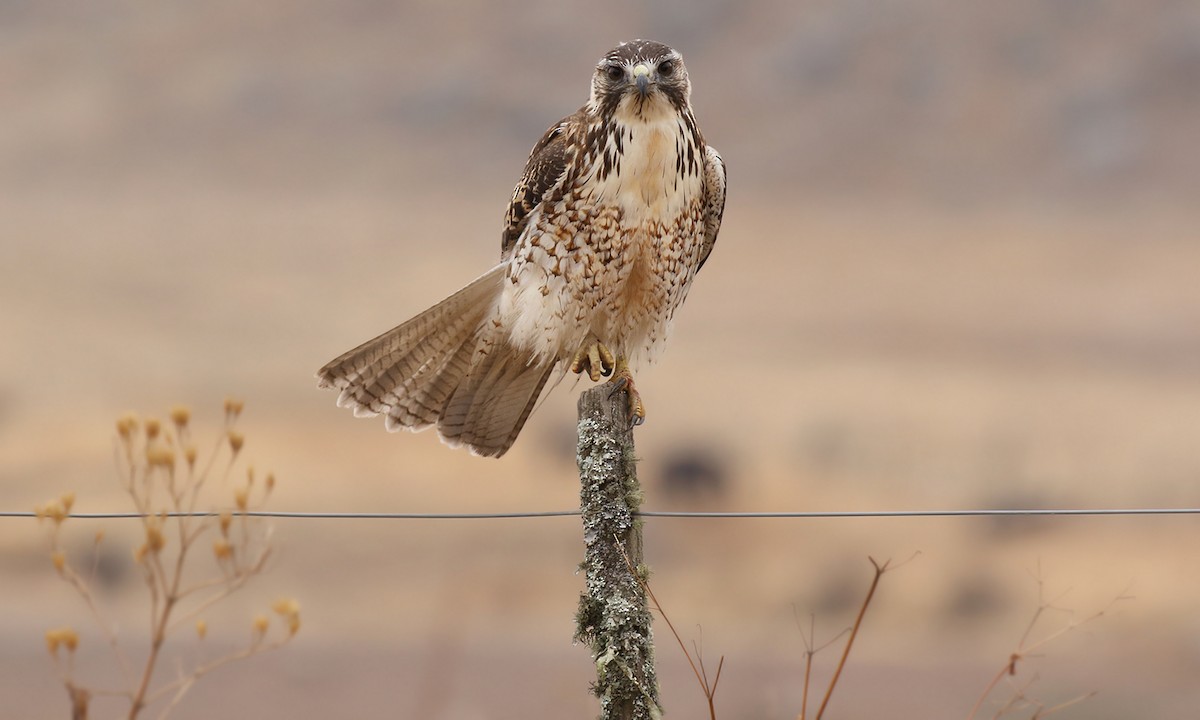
column 810, row 651
column 1025, row 648
column 701, row 677
column 110, row 635
column 181, row 685
column 862, row 611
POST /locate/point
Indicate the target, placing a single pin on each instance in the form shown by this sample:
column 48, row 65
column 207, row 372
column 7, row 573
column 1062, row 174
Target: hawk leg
column 595, row 359
column 623, row 378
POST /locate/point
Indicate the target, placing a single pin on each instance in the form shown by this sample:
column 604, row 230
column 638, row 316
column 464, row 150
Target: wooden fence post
column 613, row 616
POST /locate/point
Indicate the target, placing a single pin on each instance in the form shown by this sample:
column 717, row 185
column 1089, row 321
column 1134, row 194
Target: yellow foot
column 595, row 359
column 623, row 378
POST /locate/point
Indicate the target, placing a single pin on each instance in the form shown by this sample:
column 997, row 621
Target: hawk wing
column 546, row 165
column 714, row 200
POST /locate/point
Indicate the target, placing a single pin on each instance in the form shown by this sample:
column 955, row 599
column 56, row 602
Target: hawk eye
column 614, row 72
column 666, row 68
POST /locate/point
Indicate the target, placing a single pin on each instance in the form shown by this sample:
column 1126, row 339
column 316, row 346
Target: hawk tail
column 445, row 366
column 488, row 409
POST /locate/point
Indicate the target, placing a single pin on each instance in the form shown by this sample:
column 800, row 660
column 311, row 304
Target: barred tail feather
column 488, row 410
column 409, row 371
column 445, row 366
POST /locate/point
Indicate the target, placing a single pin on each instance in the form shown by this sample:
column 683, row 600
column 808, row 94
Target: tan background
column 958, row 269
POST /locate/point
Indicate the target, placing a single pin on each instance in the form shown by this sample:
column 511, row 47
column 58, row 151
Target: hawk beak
column 641, row 76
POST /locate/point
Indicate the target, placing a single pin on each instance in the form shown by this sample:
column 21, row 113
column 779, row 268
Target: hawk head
column 640, row 79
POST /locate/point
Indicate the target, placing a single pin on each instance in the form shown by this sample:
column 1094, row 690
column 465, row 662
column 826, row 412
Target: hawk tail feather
column 488, row 410
column 445, row 366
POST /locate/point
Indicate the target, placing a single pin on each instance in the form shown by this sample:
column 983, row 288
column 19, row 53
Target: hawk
column 617, row 210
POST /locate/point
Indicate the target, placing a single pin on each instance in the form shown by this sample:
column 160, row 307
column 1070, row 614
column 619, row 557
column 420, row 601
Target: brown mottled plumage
column 618, row 208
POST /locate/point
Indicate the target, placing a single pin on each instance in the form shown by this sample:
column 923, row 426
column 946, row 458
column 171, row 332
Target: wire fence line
column 701, row 515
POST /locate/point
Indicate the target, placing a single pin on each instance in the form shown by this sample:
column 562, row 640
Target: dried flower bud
column 233, row 408
column 67, row 500
column 236, row 440
column 152, row 428
column 270, row 482
column 180, row 415
column 201, row 629
column 160, row 456
column 59, row 559
column 189, row 454
column 261, row 623
column 53, row 510
column 61, row 637
column 99, row 537
column 52, row 641
column 70, row 639
column 139, row 553
column 241, row 497
column 126, row 425
column 222, row 549
column 225, row 519
column 155, row 540
column 289, row 609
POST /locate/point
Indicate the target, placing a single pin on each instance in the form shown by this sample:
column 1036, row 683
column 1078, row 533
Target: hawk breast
column 647, row 181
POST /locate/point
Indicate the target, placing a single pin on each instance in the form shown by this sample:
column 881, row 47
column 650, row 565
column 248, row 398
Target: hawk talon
column 622, row 379
column 596, row 359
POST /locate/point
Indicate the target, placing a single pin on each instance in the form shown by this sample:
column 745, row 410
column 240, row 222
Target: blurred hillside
column 935, row 99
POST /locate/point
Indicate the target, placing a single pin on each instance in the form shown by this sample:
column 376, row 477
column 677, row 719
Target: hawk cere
column 616, row 212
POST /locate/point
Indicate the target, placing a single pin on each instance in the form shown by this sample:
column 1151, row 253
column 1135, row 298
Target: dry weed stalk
column 1019, row 698
column 697, row 664
column 810, row 650
column 710, row 688
column 158, row 467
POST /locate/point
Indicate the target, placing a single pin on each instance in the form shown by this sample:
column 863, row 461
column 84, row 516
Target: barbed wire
column 800, row 515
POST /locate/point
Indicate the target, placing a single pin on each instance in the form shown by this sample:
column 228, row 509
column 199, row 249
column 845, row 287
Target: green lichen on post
column 613, row 616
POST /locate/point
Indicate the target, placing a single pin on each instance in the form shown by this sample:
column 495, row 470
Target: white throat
column 646, row 183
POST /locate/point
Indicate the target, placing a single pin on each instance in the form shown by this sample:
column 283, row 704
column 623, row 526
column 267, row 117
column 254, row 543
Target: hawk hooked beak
column 641, row 76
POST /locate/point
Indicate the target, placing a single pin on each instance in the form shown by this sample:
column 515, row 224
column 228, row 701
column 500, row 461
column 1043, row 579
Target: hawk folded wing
column 544, row 169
